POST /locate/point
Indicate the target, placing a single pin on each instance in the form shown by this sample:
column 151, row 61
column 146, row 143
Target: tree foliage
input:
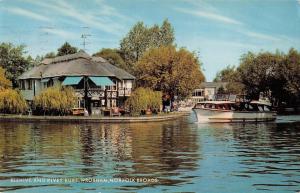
column 141, row 38
column 56, row 100
column 50, row 55
column 260, row 72
column 113, row 56
column 11, row 101
column 275, row 75
column 66, row 49
column 4, row 82
column 230, row 75
column 142, row 99
column 12, row 59
column 174, row 72
column 290, row 72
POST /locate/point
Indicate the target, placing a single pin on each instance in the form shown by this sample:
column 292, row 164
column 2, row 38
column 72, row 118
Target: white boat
column 228, row 111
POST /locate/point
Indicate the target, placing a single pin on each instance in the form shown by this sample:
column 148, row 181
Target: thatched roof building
column 79, row 64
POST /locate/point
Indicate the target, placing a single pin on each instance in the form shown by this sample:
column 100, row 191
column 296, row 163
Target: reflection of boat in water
column 229, row 111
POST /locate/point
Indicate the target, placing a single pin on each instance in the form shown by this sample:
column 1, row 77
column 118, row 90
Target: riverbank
column 92, row 119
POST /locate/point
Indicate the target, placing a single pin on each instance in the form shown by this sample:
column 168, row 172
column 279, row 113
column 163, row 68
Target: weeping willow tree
column 11, row 101
column 143, row 99
column 55, row 100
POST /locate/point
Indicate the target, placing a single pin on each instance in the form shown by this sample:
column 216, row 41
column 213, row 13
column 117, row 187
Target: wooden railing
column 124, row 92
column 100, row 92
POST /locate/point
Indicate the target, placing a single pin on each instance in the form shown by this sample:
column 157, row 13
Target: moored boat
column 229, row 111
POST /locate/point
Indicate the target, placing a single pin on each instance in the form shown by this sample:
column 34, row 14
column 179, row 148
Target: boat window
column 260, row 108
column 226, row 106
column 232, row 108
column 250, row 107
column 267, row 108
column 198, row 105
column 213, row 106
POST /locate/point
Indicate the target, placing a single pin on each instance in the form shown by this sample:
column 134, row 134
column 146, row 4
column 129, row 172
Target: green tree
column 166, row 33
column 66, row 49
column 141, row 38
column 258, row 72
column 289, row 77
column 50, row 55
column 112, row 56
column 12, row 59
column 228, row 74
column 142, row 99
column 4, row 82
column 56, row 100
column 174, row 72
column 231, row 76
column 11, row 101
column 291, row 72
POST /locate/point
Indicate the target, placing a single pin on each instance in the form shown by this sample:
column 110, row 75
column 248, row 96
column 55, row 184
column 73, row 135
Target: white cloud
column 27, row 13
column 61, row 33
column 87, row 18
column 209, row 15
column 212, row 15
column 110, row 11
column 261, row 36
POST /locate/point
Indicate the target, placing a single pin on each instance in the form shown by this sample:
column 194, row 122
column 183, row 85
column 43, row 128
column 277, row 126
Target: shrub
column 11, row 101
column 55, row 100
column 142, row 99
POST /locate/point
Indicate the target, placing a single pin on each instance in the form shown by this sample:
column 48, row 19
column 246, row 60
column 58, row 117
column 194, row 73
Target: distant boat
column 229, row 111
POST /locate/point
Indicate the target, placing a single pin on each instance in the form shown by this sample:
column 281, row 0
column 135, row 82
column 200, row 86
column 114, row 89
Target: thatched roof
column 79, row 64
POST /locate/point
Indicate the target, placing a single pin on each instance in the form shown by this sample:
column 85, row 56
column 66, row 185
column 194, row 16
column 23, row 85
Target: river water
column 176, row 156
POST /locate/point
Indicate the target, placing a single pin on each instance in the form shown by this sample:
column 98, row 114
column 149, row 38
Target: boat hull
column 223, row 116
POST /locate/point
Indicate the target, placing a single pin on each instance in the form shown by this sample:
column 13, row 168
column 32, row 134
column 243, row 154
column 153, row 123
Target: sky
column 219, row 31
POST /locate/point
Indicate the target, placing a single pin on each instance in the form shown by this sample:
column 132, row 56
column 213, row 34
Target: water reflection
column 154, row 150
column 182, row 155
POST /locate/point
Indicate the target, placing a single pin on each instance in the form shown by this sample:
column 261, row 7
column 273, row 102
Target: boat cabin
column 234, row 106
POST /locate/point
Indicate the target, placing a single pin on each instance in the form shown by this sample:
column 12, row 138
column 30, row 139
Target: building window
column 29, row 82
column 22, row 84
column 50, row 83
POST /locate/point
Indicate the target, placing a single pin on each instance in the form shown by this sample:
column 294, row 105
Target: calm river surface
column 177, row 156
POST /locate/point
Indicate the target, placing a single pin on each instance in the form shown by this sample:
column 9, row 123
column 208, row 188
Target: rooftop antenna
column 84, row 36
column 84, row 43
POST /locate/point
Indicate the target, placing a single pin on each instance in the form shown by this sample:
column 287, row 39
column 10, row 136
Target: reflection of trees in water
column 13, row 141
column 145, row 149
column 87, row 150
column 270, row 135
column 268, row 148
column 26, row 144
column 162, row 149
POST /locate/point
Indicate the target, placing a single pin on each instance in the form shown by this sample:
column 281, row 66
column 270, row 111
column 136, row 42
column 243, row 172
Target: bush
column 143, row 99
column 11, row 101
column 55, row 100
